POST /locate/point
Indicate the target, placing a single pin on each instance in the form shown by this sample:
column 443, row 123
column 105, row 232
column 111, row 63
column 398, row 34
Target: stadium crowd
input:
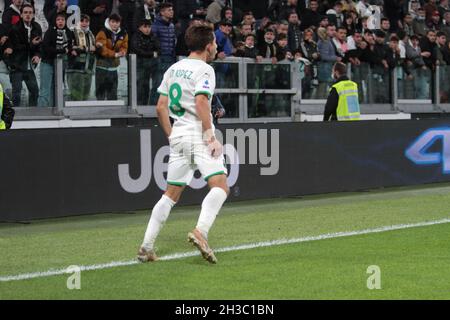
column 410, row 35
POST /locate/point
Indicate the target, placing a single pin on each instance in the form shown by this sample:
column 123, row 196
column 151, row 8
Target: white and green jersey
column 181, row 83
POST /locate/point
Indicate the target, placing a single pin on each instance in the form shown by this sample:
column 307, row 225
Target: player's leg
column 159, row 216
column 179, row 174
column 214, row 171
column 212, row 203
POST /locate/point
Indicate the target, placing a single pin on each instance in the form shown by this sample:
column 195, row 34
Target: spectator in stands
column 418, row 69
column 214, row 11
column 227, row 14
column 127, row 9
column 443, row 54
column 294, row 32
column 22, row 55
column 60, row 8
column 407, row 24
column 380, row 67
column 147, row 11
column 283, row 52
column 310, row 54
column 429, row 49
column 340, row 42
column 81, row 63
column 11, row 16
column 324, row 22
column 430, row 7
column 49, row 5
column 98, row 11
column 248, row 50
column 359, row 55
column 249, row 18
column 200, row 9
column 328, row 57
column 419, row 25
column 363, row 8
column 443, row 7
column 385, row 26
column 164, row 31
column 336, row 15
column 350, row 24
column 242, row 32
column 394, row 12
column 435, row 22
column 58, row 40
column 146, row 47
column 282, row 27
column 446, row 24
column 284, row 11
column 184, row 12
column 113, row 45
column 268, row 48
column 224, row 49
column 413, row 9
column 311, row 18
column 224, row 44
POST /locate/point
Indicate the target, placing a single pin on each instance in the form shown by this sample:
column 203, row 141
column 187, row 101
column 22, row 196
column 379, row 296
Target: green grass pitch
column 414, row 262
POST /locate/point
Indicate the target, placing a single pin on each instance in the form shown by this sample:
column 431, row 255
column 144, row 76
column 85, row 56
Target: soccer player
column 185, row 95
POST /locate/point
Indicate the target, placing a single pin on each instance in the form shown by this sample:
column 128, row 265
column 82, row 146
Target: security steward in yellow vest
column 342, row 103
column 6, row 111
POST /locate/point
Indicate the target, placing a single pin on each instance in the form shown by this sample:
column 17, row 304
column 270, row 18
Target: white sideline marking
column 175, row 256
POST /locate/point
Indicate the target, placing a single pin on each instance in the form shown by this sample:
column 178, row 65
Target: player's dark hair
column 198, row 36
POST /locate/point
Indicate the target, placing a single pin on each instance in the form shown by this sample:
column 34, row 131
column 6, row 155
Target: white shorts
column 188, row 155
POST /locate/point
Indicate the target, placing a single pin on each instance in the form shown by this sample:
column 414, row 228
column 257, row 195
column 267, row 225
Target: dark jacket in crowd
column 144, row 46
column 98, row 19
column 382, row 52
column 183, row 11
column 426, row 45
column 10, row 18
column 294, row 37
column 141, row 14
column 52, row 46
column 165, row 32
column 247, row 52
column 2, row 34
column 127, row 10
column 23, row 49
column 283, row 11
column 394, row 11
column 310, row 18
column 264, row 48
column 49, row 5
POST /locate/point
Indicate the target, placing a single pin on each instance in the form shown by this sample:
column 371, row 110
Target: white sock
column 211, row 206
column 160, row 213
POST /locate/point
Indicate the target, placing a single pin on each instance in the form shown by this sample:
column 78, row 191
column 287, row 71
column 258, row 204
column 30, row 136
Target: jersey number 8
column 175, row 105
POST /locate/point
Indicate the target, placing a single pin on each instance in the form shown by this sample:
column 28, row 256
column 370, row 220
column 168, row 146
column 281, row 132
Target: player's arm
column 162, row 111
column 204, row 114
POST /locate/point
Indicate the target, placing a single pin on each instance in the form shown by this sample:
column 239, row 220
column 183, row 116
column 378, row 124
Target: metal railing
column 263, row 92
